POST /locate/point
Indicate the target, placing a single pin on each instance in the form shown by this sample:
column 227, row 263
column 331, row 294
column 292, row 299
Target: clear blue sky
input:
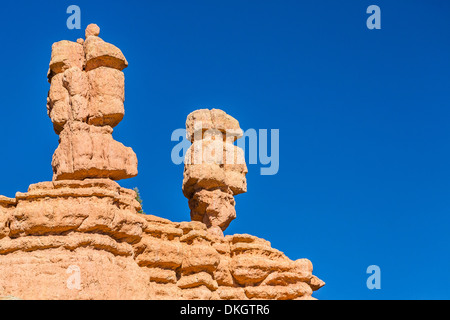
column 363, row 117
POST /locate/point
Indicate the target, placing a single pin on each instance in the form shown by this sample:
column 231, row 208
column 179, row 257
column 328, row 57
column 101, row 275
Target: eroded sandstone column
column 214, row 169
column 78, row 225
column 85, row 103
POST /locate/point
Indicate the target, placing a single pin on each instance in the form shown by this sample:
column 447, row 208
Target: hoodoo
column 85, row 103
column 214, row 169
column 81, row 236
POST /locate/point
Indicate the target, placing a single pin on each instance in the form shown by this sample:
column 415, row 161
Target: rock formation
column 85, row 101
column 214, row 169
column 80, row 236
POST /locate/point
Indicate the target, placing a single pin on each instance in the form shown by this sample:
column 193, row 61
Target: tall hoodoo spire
column 85, row 103
column 83, row 223
column 215, row 168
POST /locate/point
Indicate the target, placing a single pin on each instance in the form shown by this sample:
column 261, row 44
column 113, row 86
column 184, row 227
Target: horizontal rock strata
column 85, row 101
column 94, row 226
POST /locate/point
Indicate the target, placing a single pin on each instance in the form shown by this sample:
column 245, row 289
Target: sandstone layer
column 93, row 226
column 85, row 101
column 88, row 151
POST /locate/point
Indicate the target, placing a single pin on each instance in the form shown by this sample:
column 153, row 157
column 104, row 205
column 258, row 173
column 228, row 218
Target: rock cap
column 92, row 30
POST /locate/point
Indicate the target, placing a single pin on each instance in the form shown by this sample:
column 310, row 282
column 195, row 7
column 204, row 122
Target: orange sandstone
column 80, row 236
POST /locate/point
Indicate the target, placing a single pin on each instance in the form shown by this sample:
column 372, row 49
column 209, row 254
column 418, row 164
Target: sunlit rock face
column 81, row 236
column 214, row 169
column 85, row 102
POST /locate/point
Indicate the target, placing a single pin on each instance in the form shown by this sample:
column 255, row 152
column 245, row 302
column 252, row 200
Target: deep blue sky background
column 363, row 116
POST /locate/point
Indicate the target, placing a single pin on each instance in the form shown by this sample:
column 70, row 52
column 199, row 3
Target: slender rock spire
column 215, row 168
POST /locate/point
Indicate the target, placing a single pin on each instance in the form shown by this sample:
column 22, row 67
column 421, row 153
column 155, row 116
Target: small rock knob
column 92, row 30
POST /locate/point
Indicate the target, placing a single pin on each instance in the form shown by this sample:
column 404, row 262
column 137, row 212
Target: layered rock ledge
column 94, row 226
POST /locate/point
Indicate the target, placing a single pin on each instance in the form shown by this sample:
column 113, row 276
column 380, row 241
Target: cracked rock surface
column 85, row 101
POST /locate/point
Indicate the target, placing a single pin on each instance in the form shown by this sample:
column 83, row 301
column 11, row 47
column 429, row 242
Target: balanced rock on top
column 214, row 169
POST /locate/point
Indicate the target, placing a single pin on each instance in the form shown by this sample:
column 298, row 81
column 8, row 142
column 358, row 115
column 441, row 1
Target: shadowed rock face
column 80, row 236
